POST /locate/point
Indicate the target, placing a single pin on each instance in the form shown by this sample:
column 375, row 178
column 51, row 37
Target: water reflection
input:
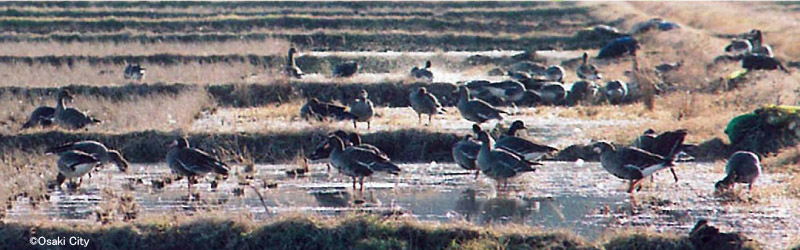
column 583, row 199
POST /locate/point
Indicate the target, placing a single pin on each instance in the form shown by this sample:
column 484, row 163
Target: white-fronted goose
column 526, row 149
column 94, row 148
column 465, row 153
column 587, row 71
column 499, row 164
column 508, row 90
column 552, row 93
column 362, row 108
column 615, row 91
column 554, row 73
column 291, row 69
column 321, row 111
column 476, row 110
column 323, row 149
column 346, row 69
column 70, row 118
column 74, row 164
column 423, row 73
column 618, row 47
column 191, row 162
column 742, row 167
column 423, row 102
column 527, row 67
column 582, row 92
column 41, row 116
column 629, row 163
column 358, row 162
column 133, row 71
column 739, row 46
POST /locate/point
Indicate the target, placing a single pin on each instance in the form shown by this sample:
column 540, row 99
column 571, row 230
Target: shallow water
column 579, row 197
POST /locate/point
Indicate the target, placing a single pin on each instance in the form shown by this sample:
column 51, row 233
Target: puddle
column 561, row 195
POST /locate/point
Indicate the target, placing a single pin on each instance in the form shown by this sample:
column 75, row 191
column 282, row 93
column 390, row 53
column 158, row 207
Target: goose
column 191, row 162
column 133, row 71
column 758, row 44
column 357, row 162
column 422, row 73
column 629, row 163
column 465, row 153
column 424, row 102
column 323, row 149
column 587, row 71
column 320, row 110
column 526, row 149
column 739, row 46
column 667, row 67
column 41, row 116
column 552, row 93
column 667, row 145
column 363, row 109
column 519, row 76
column 346, row 69
column 355, row 140
column 70, row 118
column 529, row 67
column 618, row 47
column 615, row 91
column 762, row 62
column 476, row 110
column 74, row 164
column 96, row 150
column 291, row 67
column 499, row 164
column 582, row 92
column 554, row 73
column 509, row 90
column 742, row 167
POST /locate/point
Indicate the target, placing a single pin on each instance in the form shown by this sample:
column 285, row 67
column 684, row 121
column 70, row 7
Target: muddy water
column 579, row 197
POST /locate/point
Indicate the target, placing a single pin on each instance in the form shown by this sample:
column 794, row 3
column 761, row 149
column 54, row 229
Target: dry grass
column 109, row 75
column 267, row 47
column 25, row 177
column 780, row 27
column 136, row 113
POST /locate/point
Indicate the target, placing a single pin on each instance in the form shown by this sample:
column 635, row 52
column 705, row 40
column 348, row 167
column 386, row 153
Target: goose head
column 65, row 95
column 602, row 147
column 335, row 143
column 516, row 125
column 463, row 91
column 427, row 64
column 476, row 128
column 179, row 143
column 363, row 94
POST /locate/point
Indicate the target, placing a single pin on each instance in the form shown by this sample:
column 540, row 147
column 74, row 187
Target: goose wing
column 512, row 162
column 199, row 162
column 638, row 157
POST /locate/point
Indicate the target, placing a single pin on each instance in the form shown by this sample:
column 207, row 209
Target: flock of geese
column 501, row 158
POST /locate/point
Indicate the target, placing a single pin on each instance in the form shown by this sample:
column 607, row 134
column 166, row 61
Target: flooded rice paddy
column 575, row 196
